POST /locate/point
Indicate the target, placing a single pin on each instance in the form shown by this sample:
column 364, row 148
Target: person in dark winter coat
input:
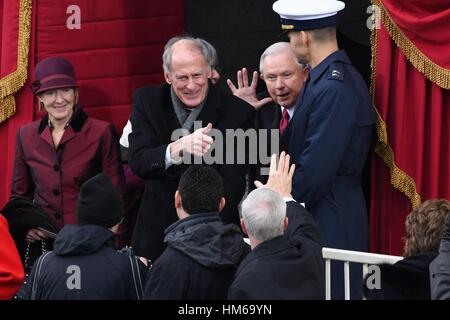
column 440, row 267
column 135, row 185
column 202, row 252
column 286, row 259
column 408, row 279
column 84, row 264
column 159, row 117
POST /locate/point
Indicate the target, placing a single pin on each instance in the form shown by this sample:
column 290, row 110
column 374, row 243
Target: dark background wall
column 240, row 30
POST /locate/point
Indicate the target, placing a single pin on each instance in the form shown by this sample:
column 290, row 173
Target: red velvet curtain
column 411, row 80
column 1, row 30
column 23, row 98
column 117, row 50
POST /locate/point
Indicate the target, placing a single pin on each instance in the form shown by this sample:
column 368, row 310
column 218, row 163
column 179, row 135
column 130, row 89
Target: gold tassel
column 436, row 74
column 11, row 83
column 8, row 107
column 400, row 180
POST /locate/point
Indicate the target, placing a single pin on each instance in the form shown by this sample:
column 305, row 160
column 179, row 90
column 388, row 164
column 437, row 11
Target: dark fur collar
column 78, row 119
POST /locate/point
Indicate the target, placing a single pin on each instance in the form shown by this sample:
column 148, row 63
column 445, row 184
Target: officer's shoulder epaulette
column 336, row 71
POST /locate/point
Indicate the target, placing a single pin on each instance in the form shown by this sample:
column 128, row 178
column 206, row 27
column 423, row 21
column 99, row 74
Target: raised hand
column 280, row 177
column 245, row 91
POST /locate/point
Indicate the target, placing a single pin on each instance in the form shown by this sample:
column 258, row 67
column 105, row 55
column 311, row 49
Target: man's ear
column 285, row 223
column 178, row 200
column 168, row 77
column 221, row 204
column 305, row 38
column 243, row 227
column 305, row 73
column 209, row 72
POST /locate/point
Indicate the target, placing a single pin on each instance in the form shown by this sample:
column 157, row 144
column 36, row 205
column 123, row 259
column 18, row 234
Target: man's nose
column 279, row 83
column 190, row 83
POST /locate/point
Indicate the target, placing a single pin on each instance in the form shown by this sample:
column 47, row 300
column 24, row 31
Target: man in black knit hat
column 84, row 264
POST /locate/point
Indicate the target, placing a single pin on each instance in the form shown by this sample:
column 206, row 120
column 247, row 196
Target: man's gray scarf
column 185, row 115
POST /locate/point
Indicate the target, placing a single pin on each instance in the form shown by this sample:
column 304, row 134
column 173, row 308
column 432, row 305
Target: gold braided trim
column 11, row 83
column 8, row 107
column 419, row 60
column 399, row 179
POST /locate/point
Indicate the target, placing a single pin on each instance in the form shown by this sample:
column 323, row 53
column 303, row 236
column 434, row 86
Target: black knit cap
column 99, row 203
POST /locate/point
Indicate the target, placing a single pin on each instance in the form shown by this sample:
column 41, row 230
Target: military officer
column 331, row 129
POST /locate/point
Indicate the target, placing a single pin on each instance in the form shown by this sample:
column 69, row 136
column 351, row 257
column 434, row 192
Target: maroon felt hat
column 53, row 73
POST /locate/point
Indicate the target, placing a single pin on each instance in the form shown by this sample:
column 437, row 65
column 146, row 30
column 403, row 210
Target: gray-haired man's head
column 187, row 68
column 264, row 213
column 282, row 73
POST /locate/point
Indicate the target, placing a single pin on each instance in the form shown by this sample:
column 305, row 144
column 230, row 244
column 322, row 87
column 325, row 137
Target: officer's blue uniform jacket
column 331, row 134
column 330, row 137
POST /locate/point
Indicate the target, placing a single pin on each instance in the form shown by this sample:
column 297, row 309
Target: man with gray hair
column 134, row 185
column 286, row 259
column 159, row 157
column 211, row 58
column 282, row 74
column 284, row 77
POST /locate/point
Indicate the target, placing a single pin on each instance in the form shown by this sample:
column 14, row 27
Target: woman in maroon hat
column 55, row 155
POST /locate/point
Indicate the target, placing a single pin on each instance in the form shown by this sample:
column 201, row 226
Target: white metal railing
column 348, row 256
